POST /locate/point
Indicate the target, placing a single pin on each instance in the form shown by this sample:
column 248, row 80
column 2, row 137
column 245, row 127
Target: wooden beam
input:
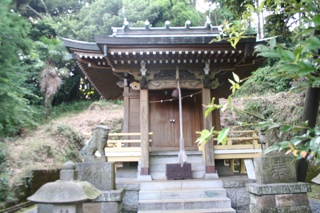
column 169, row 84
column 207, row 124
column 144, row 129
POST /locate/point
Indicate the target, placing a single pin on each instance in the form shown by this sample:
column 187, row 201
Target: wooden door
column 165, row 124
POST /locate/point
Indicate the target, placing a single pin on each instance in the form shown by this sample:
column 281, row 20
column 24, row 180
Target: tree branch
column 33, row 10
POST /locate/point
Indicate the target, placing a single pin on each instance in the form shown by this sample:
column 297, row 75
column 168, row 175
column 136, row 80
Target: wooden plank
column 237, row 151
column 128, row 134
column 235, row 131
column 240, row 138
column 123, row 159
column 228, row 147
column 126, row 141
column 123, row 149
column 237, row 156
column 123, row 154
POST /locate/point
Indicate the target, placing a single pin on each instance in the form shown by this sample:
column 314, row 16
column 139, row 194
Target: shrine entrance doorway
column 165, row 123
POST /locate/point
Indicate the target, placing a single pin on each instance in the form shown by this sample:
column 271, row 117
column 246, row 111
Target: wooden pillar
column 144, row 129
column 216, row 116
column 207, row 124
column 126, row 109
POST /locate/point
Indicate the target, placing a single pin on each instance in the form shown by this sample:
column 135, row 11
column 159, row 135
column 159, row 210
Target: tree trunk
column 47, row 107
column 310, row 114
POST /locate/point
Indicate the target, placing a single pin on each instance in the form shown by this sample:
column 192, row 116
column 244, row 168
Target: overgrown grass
column 263, row 81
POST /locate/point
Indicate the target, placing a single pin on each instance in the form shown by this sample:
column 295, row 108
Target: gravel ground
column 314, row 205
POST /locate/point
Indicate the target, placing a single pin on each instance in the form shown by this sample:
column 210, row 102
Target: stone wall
column 236, row 191
column 131, row 196
column 31, row 184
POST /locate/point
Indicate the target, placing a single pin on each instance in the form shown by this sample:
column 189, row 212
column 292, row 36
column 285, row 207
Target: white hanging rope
column 182, row 156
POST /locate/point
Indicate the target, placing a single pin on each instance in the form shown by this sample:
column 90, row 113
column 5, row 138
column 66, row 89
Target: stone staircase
column 183, row 196
column 159, row 159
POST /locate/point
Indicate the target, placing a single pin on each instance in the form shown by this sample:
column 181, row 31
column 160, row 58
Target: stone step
column 162, row 175
column 212, row 210
column 180, row 184
column 181, row 194
column 163, row 167
column 182, row 204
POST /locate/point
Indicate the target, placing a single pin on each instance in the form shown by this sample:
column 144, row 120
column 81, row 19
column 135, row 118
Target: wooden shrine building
column 145, row 66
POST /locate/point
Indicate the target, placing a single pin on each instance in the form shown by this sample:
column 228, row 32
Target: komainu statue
column 96, row 143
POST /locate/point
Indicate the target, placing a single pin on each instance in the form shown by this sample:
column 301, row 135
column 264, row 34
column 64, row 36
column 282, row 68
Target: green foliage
column 5, row 192
column 98, row 17
column 95, row 19
column 302, row 146
column 264, row 81
column 298, row 61
column 72, row 142
column 15, row 45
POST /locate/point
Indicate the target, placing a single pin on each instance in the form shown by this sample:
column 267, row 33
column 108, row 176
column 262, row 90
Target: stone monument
column 100, row 173
column 276, row 188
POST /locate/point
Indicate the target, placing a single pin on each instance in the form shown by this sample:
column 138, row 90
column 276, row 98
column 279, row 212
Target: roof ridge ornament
column 125, row 24
column 208, row 23
column 147, row 24
column 167, row 25
column 187, row 24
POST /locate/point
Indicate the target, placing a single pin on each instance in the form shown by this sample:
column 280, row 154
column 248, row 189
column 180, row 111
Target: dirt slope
column 48, row 145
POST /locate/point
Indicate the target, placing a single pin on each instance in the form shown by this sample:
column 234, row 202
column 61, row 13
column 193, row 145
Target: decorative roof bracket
column 207, row 67
column 206, row 80
column 143, row 69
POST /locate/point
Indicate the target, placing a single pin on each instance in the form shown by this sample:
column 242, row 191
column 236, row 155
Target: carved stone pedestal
column 276, row 189
column 108, row 202
column 278, row 197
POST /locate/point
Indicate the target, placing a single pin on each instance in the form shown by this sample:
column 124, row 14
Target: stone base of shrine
column 108, row 201
column 279, row 197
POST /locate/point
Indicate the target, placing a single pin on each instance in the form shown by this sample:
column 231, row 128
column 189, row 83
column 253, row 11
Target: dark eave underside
column 103, row 80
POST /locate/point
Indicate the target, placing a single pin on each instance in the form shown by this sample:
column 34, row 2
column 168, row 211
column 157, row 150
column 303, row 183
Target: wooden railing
column 244, row 144
column 124, row 147
column 241, row 144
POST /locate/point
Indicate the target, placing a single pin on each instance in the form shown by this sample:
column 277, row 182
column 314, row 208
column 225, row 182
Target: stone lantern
column 67, row 194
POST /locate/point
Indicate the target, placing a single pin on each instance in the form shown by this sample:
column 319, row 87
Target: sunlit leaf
column 236, row 77
column 231, row 81
column 223, row 135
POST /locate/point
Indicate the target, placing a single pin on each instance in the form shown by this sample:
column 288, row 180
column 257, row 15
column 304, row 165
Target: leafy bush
column 263, row 81
column 72, row 142
column 5, row 192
